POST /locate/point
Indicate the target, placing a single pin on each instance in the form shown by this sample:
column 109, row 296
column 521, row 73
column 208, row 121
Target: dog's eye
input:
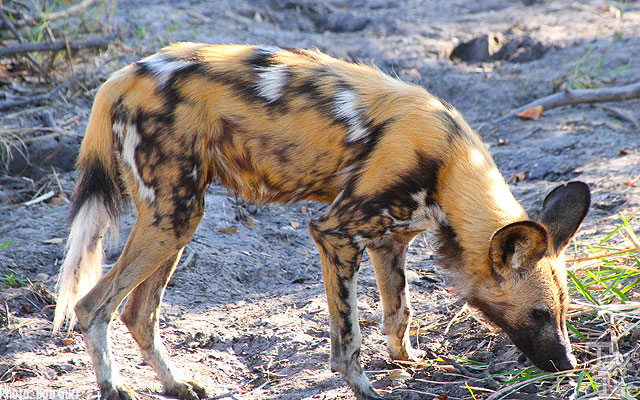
column 540, row 314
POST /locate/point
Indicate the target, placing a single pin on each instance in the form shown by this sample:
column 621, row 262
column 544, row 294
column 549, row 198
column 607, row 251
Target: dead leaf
column 399, row 374
column 56, row 201
column 67, row 341
column 629, row 183
column 294, row 224
column 53, row 241
column 411, row 73
column 229, row 230
column 368, row 322
column 531, row 113
column 451, row 290
column 442, row 396
column 250, row 222
column 304, row 210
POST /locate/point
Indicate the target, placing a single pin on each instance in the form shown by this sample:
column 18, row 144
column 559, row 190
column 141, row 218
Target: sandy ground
column 245, row 312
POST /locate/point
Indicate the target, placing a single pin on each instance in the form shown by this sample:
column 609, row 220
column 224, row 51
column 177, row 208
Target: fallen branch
column 55, row 45
column 569, row 97
column 29, row 20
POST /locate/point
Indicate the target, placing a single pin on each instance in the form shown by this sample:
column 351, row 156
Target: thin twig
column 63, row 196
column 632, row 237
column 615, row 253
column 464, row 308
column 569, row 97
column 56, row 45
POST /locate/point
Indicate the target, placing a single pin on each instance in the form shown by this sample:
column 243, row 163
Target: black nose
column 568, row 362
column 560, row 364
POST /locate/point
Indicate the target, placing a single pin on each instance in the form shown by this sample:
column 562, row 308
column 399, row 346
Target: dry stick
column 569, row 96
column 55, row 45
column 615, row 253
column 78, row 8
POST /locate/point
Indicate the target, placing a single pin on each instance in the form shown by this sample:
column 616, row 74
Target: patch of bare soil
column 245, row 312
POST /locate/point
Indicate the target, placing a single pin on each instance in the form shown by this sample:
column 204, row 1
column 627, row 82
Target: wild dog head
column 526, row 294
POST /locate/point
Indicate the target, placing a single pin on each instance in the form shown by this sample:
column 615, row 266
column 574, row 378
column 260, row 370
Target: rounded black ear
column 563, row 211
column 517, row 246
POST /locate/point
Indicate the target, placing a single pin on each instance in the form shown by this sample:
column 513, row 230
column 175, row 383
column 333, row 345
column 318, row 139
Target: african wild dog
column 284, row 125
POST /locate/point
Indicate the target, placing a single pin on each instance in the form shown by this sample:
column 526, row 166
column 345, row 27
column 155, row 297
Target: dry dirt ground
column 245, row 311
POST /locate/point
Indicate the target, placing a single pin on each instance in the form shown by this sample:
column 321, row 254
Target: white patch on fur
column 131, row 142
column 170, row 376
column 268, row 50
column 337, row 199
column 99, row 348
column 163, row 68
column 194, row 173
column 361, row 241
column 426, row 216
column 271, row 82
column 346, row 104
column 519, row 253
column 118, row 129
column 82, row 266
column 396, row 223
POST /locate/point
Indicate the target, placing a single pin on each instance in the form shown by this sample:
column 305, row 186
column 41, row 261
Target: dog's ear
column 517, row 247
column 563, row 210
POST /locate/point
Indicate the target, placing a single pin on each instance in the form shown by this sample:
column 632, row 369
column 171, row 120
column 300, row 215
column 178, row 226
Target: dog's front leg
column 341, row 252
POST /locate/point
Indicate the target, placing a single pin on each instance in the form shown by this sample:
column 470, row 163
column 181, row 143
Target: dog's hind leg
column 151, row 244
column 140, row 315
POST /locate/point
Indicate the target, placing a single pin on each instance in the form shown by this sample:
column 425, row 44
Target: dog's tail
column 97, row 202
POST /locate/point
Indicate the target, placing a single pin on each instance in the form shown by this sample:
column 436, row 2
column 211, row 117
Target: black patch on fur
column 95, row 181
column 449, row 249
column 171, row 92
column 375, row 132
column 261, row 58
column 187, row 196
column 151, row 128
column 454, row 130
column 323, row 103
column 423, row 177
